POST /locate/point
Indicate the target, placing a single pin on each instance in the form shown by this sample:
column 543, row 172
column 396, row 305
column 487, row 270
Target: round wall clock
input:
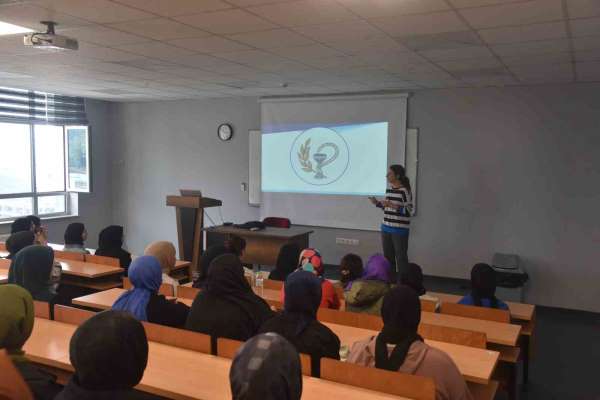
column 225, row 132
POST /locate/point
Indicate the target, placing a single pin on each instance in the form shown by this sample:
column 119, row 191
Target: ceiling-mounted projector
column 50, row 40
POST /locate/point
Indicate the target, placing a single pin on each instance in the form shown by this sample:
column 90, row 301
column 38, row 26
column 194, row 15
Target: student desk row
column 3, row 275
column 477, row 365
column 174, row 372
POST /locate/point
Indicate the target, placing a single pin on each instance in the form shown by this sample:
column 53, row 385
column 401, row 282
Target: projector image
column 50, row 40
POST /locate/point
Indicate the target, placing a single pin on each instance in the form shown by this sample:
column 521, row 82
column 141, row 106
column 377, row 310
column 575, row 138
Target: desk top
column 105, row 299
column 519, row 311
column 177, row 373
column 476, row 365
column 87, row 269
column 284, row 233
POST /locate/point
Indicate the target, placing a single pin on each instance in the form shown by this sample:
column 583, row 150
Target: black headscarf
column 21, row 225
column 74, row 233
column 226, row 281
column 209, row 255
column 412, row 276
column 110, row 242
column 35, row 221
column 401, row 313
column 109, row 351
column 18, row 241
column 483, row 284
column 267, row 367
column 287, row 261
column 31, row 269
column 302, row 299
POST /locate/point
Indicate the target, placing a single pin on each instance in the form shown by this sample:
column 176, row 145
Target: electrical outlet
column 347, row 242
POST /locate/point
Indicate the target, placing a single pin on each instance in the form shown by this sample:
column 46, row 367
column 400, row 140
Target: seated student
column 234, row 245
column 144, row 302
column 287, row 261
column 33, row 269
column 398, row 347
column 483, row 288
column 18, row 241
column 311, row 261
column 351, row 268
column 412, row 277
column 75, row 236
column 16, row 325
column 110, row 243
column 227, row 307
column 166, row 255
column 41, row 233
column 21, row 225
column 298, row 322
column 366, row 294
column 109, row 353
column 266, row 367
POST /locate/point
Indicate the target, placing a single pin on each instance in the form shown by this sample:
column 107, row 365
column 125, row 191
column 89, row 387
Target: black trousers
column 395, row 248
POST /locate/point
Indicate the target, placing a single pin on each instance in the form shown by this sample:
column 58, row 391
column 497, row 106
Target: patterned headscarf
column 266, row 367
column 311, row 261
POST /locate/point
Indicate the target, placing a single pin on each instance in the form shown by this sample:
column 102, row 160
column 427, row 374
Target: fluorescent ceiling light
column 10, row 29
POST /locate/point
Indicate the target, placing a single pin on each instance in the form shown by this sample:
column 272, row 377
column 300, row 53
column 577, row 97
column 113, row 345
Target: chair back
column 178, row 337
column 166, row 289
column 71, row 315
column 453, row 335
column 357, row 320
column 277, row 222
column 394, row 383
column 305, row 363
column 3, row 246
column 41, row 309
column 486, row 313
column 272, row 284
column 69, row 255
column 228, row 347
column 113, row 262
column 428, row 305
column 187, row 292
column 12, row 385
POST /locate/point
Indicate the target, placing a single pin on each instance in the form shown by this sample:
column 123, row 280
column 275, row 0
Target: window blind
column 27, row 106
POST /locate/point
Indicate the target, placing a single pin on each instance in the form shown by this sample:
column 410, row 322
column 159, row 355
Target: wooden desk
column 476, row 365
column 3, row 275
column 90, row 275
column 262, row 247
column 520, row 311
column 105, row 299
column 174, row 372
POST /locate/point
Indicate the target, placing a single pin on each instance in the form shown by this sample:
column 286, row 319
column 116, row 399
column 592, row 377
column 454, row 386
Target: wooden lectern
column 189, row 209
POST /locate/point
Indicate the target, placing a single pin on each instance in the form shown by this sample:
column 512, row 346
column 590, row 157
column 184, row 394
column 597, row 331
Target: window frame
column 34, row 194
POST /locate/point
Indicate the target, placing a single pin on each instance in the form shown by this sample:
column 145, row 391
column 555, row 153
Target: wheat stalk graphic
column 304, row 157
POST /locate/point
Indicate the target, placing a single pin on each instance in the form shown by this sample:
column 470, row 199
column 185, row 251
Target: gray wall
column 94, row 208
column 500, row 170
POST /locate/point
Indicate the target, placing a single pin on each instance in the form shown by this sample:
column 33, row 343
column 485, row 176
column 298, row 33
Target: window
column 39, row 165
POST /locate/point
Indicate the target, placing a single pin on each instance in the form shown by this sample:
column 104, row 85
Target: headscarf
column 35, row 221
column 401, row 313
column 164, row 253
column 18, row 241
column 310, row 260
column 31, row 269
column 266, row 367
column 111, row 238
column 226, row 281
column 302, row 298
column 286, row 261
column 483, row 284
column 74, row 233
column 109, row 351
column 21, row 225
column 146, row 277
column 377, row 269
column 209, row 255
column 412, row 276
column 16, row 319
column 351, row 268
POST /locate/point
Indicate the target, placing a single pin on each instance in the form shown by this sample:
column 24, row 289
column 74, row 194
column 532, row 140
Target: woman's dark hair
column 235, row 245
column 35, row 220
column 21, row 225
column 400, row 173
column 483, row 284
column 354, row 265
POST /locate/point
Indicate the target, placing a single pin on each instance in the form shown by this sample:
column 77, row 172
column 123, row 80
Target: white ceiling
column 176, row 49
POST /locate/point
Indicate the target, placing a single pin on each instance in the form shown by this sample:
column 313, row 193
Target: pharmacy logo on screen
column 319, row 156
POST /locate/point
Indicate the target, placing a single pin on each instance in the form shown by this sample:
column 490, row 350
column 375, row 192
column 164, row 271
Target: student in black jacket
column 227, row 307
column 109, row 353
column 298, row 322
column 16, row 325
column 144, row 302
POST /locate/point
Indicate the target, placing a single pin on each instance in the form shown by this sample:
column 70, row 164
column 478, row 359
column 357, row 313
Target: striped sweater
column 396, row 219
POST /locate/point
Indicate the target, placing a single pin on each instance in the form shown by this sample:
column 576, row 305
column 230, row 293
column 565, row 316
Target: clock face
column 225, row 132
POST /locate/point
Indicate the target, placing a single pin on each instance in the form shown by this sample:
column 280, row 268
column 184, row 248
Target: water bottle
column 258, row 281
